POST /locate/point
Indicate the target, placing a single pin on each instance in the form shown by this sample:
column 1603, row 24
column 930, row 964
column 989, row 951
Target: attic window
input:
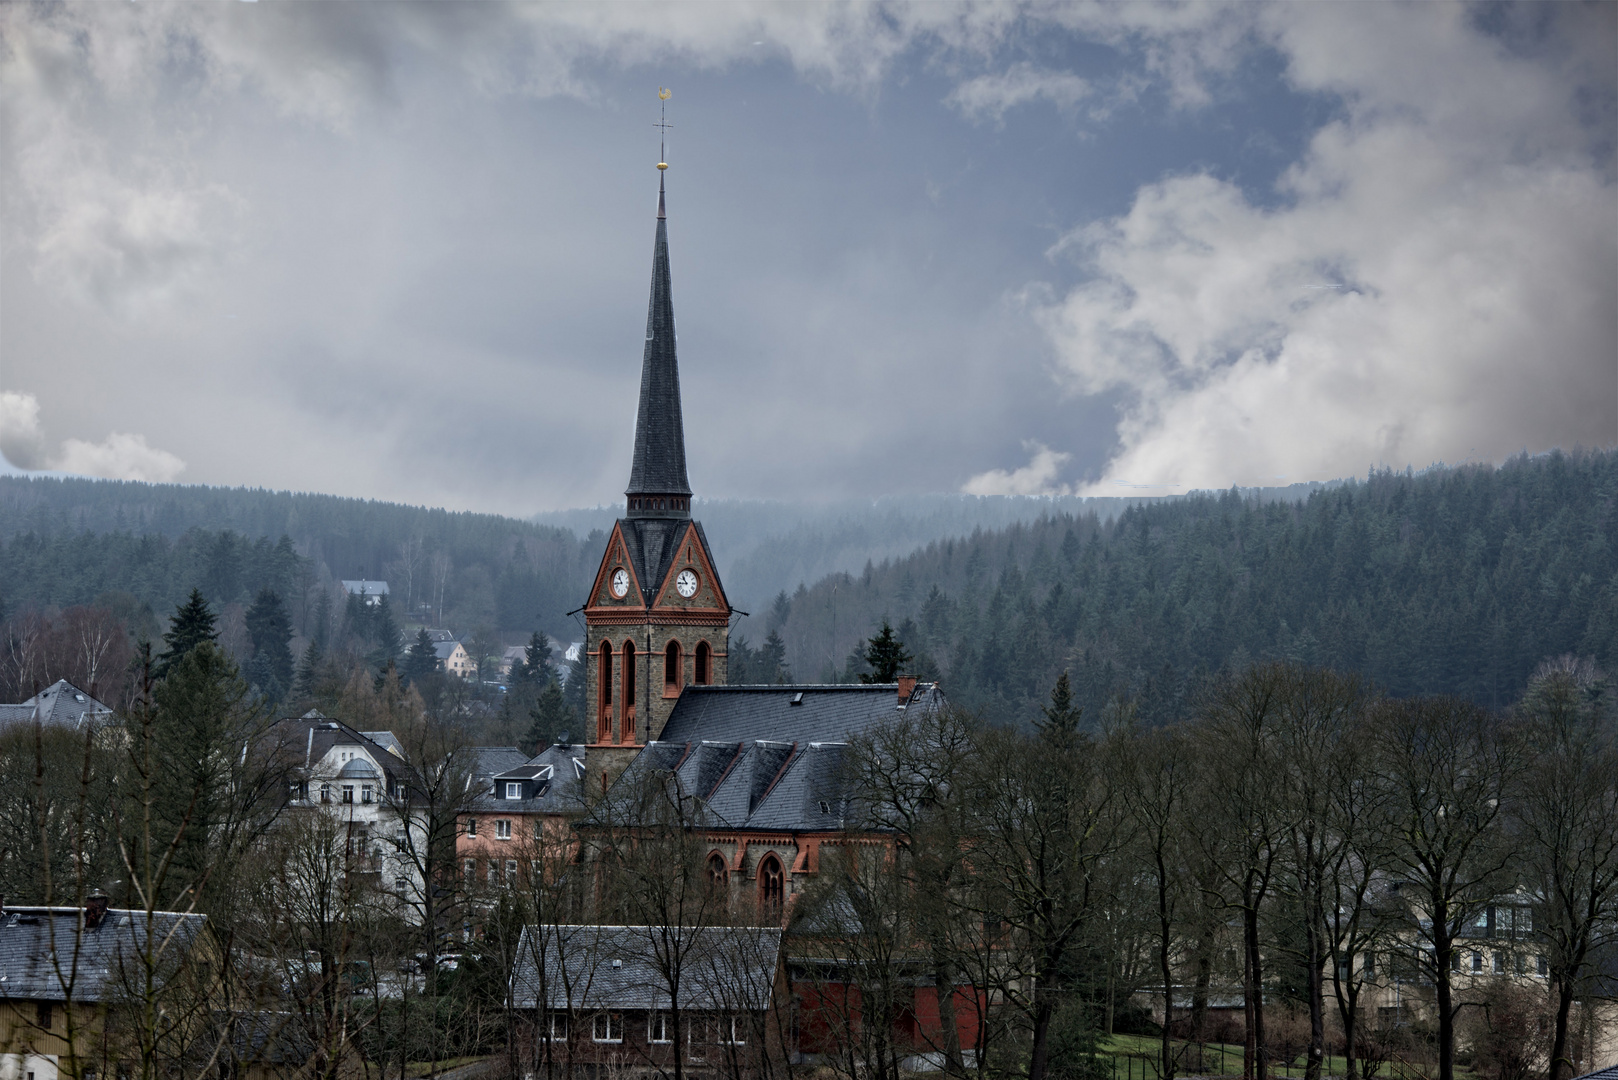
column 797, row 699
column 825, row 807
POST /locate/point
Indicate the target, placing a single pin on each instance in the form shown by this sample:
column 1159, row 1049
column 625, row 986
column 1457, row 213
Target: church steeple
column 657, row 483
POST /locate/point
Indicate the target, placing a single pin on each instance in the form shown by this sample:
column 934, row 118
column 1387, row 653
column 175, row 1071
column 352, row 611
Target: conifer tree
column 1061, row 716
column 192, row 624
column 551, row 717
column 536, row 664
column 886, row 654
column 422, row 659
column 271, row 629
column 308, row 669
column 385, row 632
column 772, row 659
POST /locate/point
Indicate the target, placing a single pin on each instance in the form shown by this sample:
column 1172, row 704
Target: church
column 764, row 761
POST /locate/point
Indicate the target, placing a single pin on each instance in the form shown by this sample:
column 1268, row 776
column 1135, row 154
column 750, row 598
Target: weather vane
column 663, row 126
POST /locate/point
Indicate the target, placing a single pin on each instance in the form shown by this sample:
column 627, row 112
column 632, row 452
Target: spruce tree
column 886, row 654
column 551, row 717
column 385, row 632
column 191, row 625
column 1061, row 716
column 536, row 664
column 271, row 630
column 422, row 659
column 772, row 659
column 308, row 669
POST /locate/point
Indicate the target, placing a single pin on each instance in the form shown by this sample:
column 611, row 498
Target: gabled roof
column 658, row 465
column 59, row 703
column 99, row 963
column 310, row 737
column 723, row 969
column 443, row 650
column 759, row 762
column 559, row 768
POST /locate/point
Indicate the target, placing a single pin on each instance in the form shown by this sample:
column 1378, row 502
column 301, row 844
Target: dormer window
column 514, row 791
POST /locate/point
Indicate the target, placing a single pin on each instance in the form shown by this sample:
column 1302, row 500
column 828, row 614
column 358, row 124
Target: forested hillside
column 69, row 541
column 1453, row 581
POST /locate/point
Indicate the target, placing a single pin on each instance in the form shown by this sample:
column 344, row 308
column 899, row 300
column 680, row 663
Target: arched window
column 704, row 673
column 628, row 733
column 771, row 888
column 604, row 680
column 671, row 667
column 718, row 874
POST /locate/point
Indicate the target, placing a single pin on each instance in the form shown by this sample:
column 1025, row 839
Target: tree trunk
column 1317, row 1010
column 944, row 983
column 1038, row 1060
column 1446, row 1009
column 1166, row 1069
column 1257, row 1051
column 1564, row 1007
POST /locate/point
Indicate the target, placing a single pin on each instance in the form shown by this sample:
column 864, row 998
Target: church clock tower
column 657, row 618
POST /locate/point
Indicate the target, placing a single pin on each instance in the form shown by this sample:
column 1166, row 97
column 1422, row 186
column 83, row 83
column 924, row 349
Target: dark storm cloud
column 402, row 251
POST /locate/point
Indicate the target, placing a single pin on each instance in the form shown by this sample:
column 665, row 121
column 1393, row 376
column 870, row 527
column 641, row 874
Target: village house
column 70, row 976
column 453, row 658
column 60, row 704
column 590, row 1000
column 519, row 812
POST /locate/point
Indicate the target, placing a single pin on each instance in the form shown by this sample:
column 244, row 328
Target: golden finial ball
column 662, row 164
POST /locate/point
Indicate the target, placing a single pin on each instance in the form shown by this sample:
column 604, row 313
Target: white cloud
column 21, row 440
column 119, row 456
column 992, row 95
column 1469, row 232
column 1038, row 477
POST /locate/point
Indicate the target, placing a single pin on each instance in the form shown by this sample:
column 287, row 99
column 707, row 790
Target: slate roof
column 443, row 650
column 760, row 762
column 59, row 703
column 308, row 738
column 730, row 969
column 97, row 962
column 653, row 543
column 658, row 465
column 1609, row 1073
column 557, row 773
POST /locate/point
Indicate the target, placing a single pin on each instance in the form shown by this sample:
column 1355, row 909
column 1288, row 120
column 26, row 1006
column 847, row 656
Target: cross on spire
column 663, row 126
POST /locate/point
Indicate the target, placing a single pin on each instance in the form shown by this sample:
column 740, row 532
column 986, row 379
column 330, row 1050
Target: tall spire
column 657, row 482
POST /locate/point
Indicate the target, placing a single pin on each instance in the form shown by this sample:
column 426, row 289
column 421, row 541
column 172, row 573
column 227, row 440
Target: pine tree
column 551, row 718
column 536, row 664
column 192, row 624
column 385, row 632
column 271, row 630
column 308, row 669
column 422, row 659
column 886, row 654
column 772, row 660
column 1061, row 722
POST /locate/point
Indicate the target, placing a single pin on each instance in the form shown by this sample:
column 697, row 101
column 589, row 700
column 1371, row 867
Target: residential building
column 369, row 592
column 594, row 999
column 60, row 704
column 73, row 982
column 520, row 812
column 453, row 658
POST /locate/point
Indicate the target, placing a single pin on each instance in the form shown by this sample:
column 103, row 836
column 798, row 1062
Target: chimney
column 95, row 909
column 907, row 686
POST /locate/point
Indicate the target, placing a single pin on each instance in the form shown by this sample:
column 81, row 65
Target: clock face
column 620, row 583
column 686, row 582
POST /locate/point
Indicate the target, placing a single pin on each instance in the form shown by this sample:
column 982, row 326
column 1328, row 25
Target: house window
column 400, row 885
column 471, row 826
column 557, row 1031
column 1544, row 966
column 1525, row 921
column 470, row 868
column 1477, row 962
column 659, row 1029
column 44, row 1015
column 511, row 872
column 607, row 1028
column 502, row 829
column 704, row 666
column 1482, row 921
column 734, row 1029
column 513, row 791
column 1368, row 968
column 325, row 793
column 365, row 793
column 1521, row 962
column 698, row 1037
column 771, row 887
column 348, row 793
column 494, row 872
column 1499, row 963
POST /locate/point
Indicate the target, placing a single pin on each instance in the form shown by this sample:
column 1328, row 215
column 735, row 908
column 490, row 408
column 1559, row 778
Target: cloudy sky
column 402, row 252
